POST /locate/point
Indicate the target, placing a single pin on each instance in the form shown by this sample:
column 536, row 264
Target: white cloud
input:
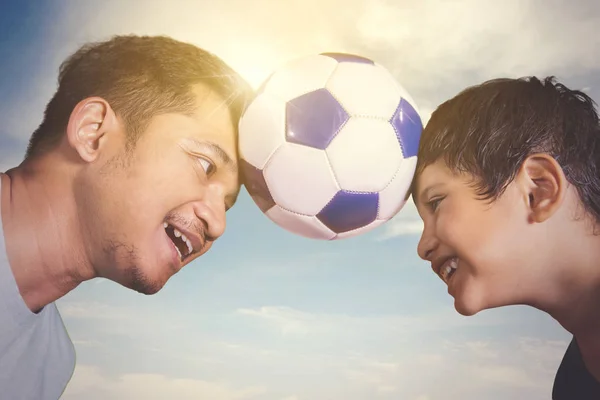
column 267, row 349
column 95, row 310
column 434, row 48
column 482, row 349
column 471, row 374
column 401, row 227
column 503, row 375
column 289, row 321
column 406, row 222
column 90, row 383
column 508, row 362
column 477, row 39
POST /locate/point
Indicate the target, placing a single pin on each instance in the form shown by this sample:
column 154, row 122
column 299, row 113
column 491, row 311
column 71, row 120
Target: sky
column 268, row 315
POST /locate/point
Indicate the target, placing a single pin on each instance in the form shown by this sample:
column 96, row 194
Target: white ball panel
column 300, row 77
column 365, row 155
column 361, row 230
column 302, row 225
column 262, row 130
column 392, row 198
column 365, row 89
column 300, row 179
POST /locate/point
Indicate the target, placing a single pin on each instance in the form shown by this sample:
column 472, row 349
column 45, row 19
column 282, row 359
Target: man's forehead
column 209, row 101
column 214, row 126
column 216, row 130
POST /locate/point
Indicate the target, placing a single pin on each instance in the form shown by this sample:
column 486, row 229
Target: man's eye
column 206, row 165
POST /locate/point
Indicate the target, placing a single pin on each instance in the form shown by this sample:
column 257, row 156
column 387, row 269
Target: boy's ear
column 543, row 184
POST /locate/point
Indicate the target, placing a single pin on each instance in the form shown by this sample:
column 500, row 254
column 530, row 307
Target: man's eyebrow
column 217, row 151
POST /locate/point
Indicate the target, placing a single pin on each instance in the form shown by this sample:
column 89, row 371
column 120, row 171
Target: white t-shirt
column 37, row 357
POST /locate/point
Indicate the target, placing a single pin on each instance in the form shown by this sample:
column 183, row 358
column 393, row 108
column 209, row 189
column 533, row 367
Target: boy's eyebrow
column 425, row 192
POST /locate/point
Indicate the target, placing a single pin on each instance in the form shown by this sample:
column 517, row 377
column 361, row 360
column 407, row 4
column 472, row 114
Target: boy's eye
column 434, row 203
column 206, row 165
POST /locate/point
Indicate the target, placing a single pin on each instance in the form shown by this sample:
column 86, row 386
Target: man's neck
column 40, row 230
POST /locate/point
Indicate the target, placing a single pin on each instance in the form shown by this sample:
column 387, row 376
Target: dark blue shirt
column 573, row 381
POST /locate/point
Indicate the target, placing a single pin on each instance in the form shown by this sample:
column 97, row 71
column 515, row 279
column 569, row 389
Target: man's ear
column 543, row 184
column 88, row 125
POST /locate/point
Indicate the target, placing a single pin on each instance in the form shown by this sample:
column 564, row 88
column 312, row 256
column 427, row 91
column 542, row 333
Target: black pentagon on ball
column 345, row 57
column 349, row 210
column 408, row 127
column 314, row 119
column 255, row 184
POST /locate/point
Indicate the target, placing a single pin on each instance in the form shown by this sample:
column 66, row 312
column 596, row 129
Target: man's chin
column 148, row 290
column 143, row 283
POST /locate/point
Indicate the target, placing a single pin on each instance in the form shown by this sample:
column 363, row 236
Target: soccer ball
column 328, row 146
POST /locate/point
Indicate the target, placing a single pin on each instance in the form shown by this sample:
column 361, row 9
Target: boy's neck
column 589, row 346
column 575, row 299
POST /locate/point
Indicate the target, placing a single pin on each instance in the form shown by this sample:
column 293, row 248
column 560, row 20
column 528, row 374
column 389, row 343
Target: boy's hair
column 488, row 130
column 140, row 77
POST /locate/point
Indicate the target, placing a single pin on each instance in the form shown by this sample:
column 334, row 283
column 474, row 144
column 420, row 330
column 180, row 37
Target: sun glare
column 253, row 62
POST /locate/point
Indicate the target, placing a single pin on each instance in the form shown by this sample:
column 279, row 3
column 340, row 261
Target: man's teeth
column 182, row 237
column 178, row 252
column 187, row 241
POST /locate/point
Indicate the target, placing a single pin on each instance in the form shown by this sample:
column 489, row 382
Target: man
column 508, row 187
column 128, row 177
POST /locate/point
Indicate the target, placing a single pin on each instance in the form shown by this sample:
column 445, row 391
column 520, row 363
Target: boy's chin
column 469, row 306
column 464, row 310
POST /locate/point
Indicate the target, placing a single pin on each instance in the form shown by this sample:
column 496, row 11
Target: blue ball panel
column 348, row 211
column 408, row 127
column 255, row 184
column 314, row 119
column 343, row 57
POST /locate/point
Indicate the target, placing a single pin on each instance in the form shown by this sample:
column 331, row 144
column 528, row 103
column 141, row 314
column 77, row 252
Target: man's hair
column 140, row 77
column 488, row 131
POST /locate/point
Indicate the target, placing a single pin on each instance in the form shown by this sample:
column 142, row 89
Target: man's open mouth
column 182, row 244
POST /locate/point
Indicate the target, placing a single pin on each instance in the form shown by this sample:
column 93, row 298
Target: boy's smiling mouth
column 446, row 268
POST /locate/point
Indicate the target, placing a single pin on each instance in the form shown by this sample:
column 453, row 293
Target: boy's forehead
column 431, row 177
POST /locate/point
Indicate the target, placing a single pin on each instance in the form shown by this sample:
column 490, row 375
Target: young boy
column 508, row 187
